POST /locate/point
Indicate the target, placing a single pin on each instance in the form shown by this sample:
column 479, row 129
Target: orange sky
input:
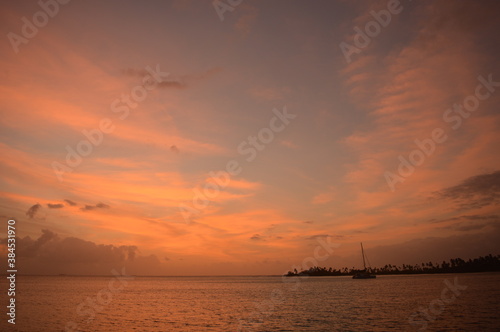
column 266, row 94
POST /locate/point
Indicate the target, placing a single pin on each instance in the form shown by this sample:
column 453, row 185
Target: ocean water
column 447, row 302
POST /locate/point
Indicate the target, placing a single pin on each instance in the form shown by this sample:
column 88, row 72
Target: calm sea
column 444, row 302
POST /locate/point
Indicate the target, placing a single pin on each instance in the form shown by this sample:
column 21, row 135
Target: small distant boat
column 365, row 274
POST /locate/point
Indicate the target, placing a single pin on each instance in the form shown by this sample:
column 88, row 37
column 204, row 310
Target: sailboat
column 365, row 274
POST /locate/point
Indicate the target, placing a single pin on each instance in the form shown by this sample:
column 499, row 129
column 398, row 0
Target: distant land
column 487, row 263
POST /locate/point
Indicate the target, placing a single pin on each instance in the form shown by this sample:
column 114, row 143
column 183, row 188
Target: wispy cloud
column 174, row 149
column 93, row 207
column 33, row 210
column 289, row 144
column 182, row 82
column 70, row 202
column 246, row 21
column 55, row 206
column 474, row 192
column 323, row 198
column 256, row 237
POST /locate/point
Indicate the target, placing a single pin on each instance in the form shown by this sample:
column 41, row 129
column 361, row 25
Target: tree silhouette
column 487, row 263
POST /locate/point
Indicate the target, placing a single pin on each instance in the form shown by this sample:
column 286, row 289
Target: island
column 487, row 263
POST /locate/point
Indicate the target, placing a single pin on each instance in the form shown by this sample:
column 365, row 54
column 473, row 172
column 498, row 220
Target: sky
column 248, row 137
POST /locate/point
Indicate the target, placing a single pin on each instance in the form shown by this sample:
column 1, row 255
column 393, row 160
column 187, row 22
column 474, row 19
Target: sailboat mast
column 363, row 253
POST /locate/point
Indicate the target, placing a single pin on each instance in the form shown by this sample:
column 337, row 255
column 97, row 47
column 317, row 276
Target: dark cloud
column 466, row 227
column 466, row 217
column 29, row 247
column 33, row 210
column 474, row 192
column 467, row 223
column 55, row 206
column 435, row 249
column 172, row 84
column 102, row 206
column 319, row 236
column 479, row 217
column 93, row 207
column 180, row 83
column 140, row 73
column 257, row 237
column 69, row 202
column 169, row 226
column 49, row 247
column 308, row 222
column 174, row 149
column 438, row 221
column 52, row 254
column 204, row 75
column 316, row 236
column 464, row 16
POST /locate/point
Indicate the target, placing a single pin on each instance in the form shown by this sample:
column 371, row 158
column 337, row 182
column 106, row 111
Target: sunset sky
column 342, row 124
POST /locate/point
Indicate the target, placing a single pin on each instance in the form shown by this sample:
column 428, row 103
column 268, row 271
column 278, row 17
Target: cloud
column 206, row 74
column 257, row 237
column 467, row 217
column 179, row 83
column 51, row 254
column 270, row 94
column 466, row 223
column 289, row 144
column 476, row 226
column 29, row 247
column 474, row 192
column 55, row 206
column 33, row 210
column 140, row 73
column 135, row 72
column 246, row 21
column 401, row 102
column 323, row 198
column 172, row 84
column 102, row 206
column 477, row 217
column 323, row 236
column 69, row 202
column 93, row 207
column 174, row 149
column 435, row 249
